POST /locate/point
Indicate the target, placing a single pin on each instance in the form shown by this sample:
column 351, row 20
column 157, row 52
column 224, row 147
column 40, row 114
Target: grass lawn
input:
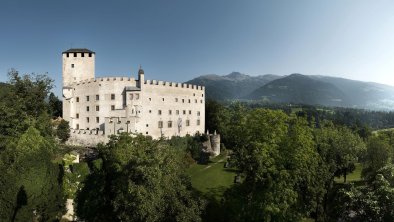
column 352, row 177
column 212, row 179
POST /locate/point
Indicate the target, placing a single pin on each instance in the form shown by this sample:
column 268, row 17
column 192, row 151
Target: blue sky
column 177, row 40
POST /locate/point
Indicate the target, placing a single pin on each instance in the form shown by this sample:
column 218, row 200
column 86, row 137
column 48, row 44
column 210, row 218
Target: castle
column 98, row 107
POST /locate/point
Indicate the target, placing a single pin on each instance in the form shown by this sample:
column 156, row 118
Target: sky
column 178, row 40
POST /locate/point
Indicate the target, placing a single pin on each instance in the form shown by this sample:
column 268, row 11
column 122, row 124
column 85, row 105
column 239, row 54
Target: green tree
column 278, row 163
column 378, row 155
column 30, row 182
column 55, row 106
column 63, row 131
column 144, row 181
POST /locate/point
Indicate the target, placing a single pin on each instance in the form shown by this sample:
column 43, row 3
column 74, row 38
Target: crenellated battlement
column 173, row 84
column 106, row 79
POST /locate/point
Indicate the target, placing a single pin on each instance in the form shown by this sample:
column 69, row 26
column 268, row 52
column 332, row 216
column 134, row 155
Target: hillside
column 298, row 88
column 232, row 86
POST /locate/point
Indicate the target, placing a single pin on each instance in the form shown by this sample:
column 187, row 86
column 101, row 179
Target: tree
column 277, row 161
column 29, row 181
column 55, row 105
column 377, row 156
column 63, row 131
column 143, row 180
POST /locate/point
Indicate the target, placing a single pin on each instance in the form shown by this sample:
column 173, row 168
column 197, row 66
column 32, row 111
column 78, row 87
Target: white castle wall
column 150, row 107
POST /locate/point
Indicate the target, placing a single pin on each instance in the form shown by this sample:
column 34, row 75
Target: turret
column 141, row 76
column 78, row 64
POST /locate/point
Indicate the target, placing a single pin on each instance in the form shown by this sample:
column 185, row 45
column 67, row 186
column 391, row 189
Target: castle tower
column 141, row 77
column 78, row 64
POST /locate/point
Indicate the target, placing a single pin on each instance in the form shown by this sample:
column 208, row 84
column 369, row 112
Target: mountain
column 328, row 91
column 232, row 86
column 300, row 89
column 297, row 88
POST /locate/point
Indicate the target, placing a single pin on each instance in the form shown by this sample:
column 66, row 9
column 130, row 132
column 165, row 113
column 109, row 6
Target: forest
column 287, row 163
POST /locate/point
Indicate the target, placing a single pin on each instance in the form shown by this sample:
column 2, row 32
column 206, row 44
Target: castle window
column 97, row 119
column 97, row 97
column 176, row 99
column 163, row 99
column 150, row 111
column 184, row 112
column 97, row 108
column 177, row 112
column 202, row 95
column 189, row 100
column 131, row 96
column 150, row 99
column 183, row 100
column 169, row 124
column 112, row 107
column 147, row 125
column 187, row 122
column 75, row 54
column 159, row 112
column 198, row 113
column 77, row 115
column 195, row 100
column 146, row 133
column 112, row 96
column 83, row 54
column 170, row 112
column 72, row 65
column 77, row 126
column 87, row 98
column 194, row 94
column 190, row 112
column 201, row 101
column 160, row 124
column 90, row 54
column 77, row 99
column 87, row 108
column 87, row 119
column 137, row 96
column 198, row 122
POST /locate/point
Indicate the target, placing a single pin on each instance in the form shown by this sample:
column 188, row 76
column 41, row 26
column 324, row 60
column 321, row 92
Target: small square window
column 189, row 100
column 87, row 108
column 169, row 124
column 198, row 113
column 176, row 99
column 183, row 100
column 97, row 97
column 147, row 125
column 160, row 124
column 87, row 119
column 190, row 112
column 77, row 115
column 77, row 99
column 170, row 112
column 201, row 101
column 187, row 122
column 163, row 99
column 150, row 99
column 112, row 107
column 159, row 112
column 87, row 98
column 77, row 126
column 112, row 96
column 97, row 119
column 150, row 111
column 97, row 108
column 184, row 112
column 198, row 122
column 72, row 65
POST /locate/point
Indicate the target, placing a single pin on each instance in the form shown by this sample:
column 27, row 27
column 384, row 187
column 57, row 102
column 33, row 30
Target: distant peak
column 236, row 76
